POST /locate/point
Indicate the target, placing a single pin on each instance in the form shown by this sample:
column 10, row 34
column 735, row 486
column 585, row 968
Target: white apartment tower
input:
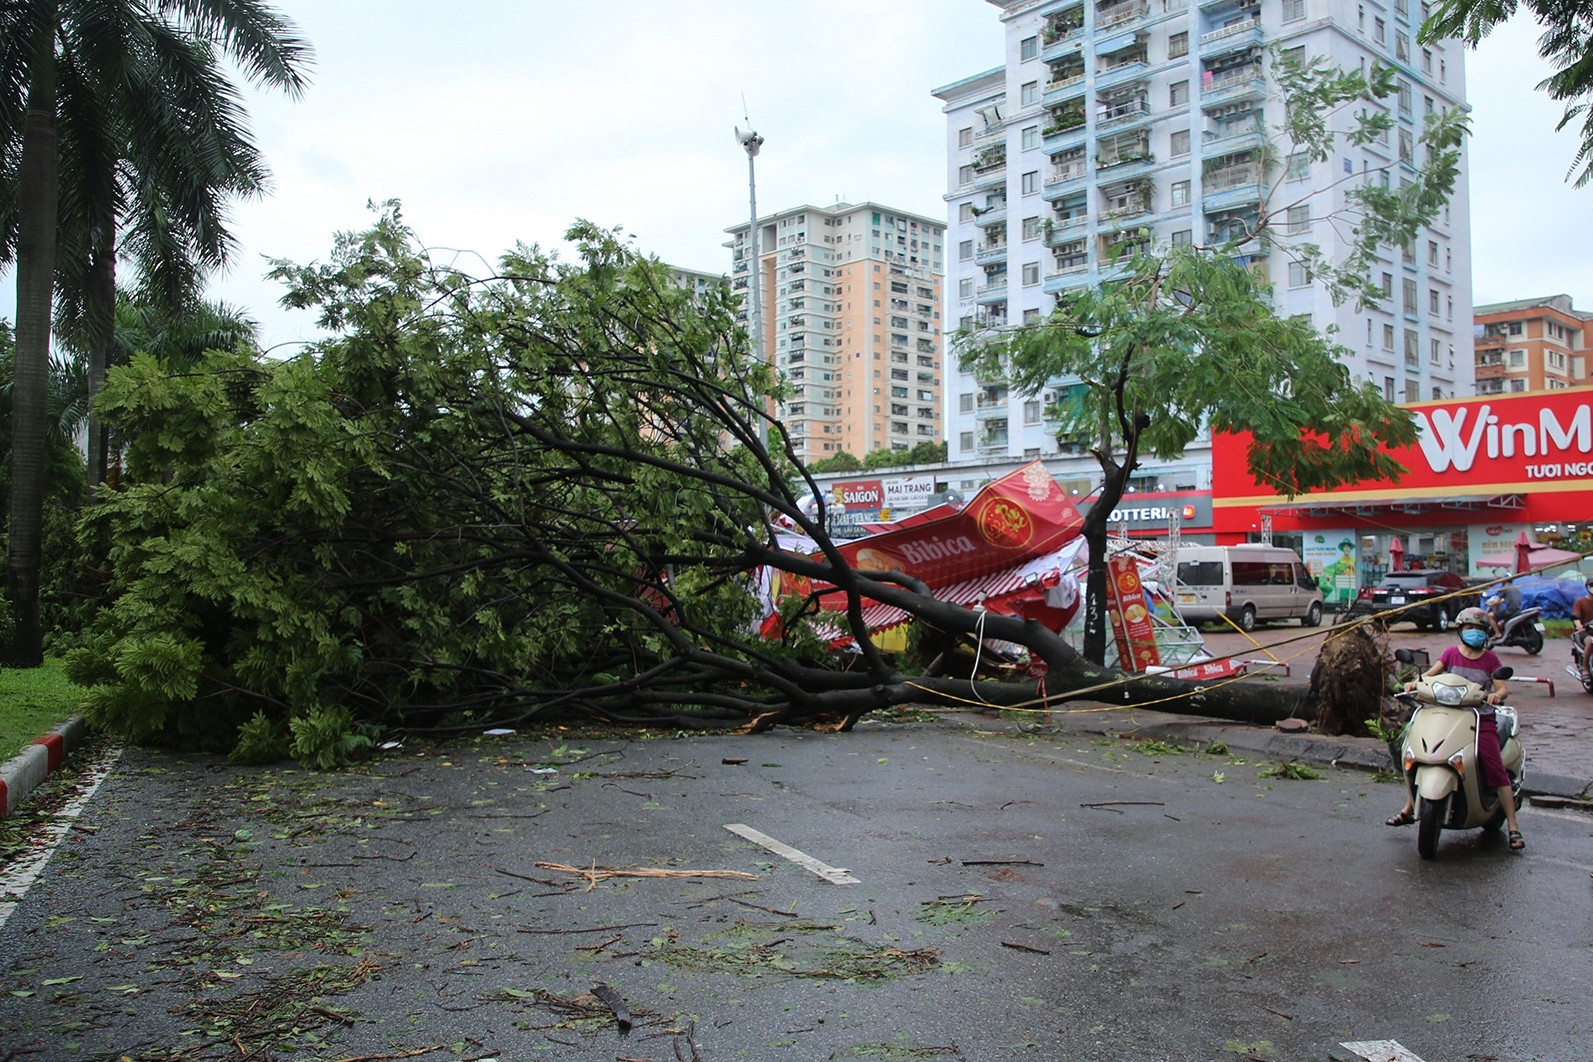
column 851, row 304
column 1114, row 116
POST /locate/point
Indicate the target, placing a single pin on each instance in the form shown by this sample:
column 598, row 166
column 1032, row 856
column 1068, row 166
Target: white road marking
column 1381, row 1051
column 16, row 882
column 834, row 875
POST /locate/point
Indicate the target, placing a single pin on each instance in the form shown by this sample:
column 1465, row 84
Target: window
column 1181, row 238
column 1432, row 301
column 1443, row 71
column 1028, row 48
column 1427, row 61
column 965, row 250
column 1299, row 220
column 1299, row 166
column 1031, row 228
column 1029, row 94
column 965, row 175
column 1031, row 273
column 1513, row 328
column 1295, row 56
column 1293, row 10
column 965, row 137
column 1031, row 137
column 1379, row 30
column 1031, row 316
column 1413, row 354
column 1177, row 44
column 1031, row 412
column 965, row 212
column 1435, row 352
column 1404, row 97
column 1401, row 47
column 965, row 402
column 1518, row 385
column 1432, row 252
column 1178, row 94
column 1179, row 145
column 1388, row 337
column 1299, row 275
column 1518, row 359
column 965, row 440
column 1031, row 182
column 965, row 288
column 1180, row 193
column 1388, row 388
column 1408, row 293
column 1407, row 147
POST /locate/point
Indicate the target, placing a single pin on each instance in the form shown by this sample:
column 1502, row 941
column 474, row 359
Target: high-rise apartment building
column 1531, row 345
column 851, row 308
column 1113, row 117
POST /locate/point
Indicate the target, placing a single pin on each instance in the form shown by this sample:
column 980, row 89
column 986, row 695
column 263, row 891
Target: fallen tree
column 538, row 493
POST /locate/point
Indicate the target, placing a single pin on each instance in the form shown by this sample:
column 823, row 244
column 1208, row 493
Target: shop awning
column 1405, row 506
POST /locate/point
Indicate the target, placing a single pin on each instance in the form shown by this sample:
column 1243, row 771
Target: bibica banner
column 1499, row 444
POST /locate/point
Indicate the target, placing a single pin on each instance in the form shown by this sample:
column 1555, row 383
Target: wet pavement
column 1044, row 894
column 1556, row 713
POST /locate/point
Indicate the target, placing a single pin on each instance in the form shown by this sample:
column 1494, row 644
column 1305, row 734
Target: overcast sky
column 503, row 120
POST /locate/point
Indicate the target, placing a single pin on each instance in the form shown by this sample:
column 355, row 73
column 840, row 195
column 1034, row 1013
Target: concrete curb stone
column 25, row 772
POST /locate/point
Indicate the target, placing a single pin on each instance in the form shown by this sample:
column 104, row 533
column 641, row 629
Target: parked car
column 1246, row 583
column 1420, row 596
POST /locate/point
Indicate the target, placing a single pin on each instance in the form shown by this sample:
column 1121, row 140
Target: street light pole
column 751, row 142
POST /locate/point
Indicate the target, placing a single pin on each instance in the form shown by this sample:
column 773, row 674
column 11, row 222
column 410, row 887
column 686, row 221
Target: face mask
column 1473, row 637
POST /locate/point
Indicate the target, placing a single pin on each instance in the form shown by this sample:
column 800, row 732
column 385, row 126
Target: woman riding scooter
column 1472, row 662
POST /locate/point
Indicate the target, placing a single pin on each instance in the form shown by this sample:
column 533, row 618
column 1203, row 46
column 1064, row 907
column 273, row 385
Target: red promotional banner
column 1022, row 515
column 1136, row 635
column 859, row 493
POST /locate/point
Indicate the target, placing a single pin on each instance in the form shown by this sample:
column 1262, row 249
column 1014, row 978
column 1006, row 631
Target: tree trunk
column 37, row 195
column 100, row 309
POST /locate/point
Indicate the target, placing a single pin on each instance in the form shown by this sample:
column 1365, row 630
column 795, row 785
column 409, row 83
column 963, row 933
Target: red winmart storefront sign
column 1022, row 515
column 1499, row 444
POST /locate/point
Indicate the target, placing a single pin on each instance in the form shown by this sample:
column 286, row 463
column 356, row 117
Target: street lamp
column 751, row 142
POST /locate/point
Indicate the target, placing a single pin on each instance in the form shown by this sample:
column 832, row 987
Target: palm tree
column 117, row 125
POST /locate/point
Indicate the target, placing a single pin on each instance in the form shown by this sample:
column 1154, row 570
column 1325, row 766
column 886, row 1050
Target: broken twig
column 611, row 998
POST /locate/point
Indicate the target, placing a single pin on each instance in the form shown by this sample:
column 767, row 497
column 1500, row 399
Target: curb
column 23, row 773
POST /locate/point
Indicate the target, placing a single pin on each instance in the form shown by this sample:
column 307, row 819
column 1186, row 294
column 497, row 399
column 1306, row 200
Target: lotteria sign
column 1500, row 444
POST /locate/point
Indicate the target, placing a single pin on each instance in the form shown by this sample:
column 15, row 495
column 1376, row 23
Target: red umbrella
column 1523, row 550
column 1396, row 555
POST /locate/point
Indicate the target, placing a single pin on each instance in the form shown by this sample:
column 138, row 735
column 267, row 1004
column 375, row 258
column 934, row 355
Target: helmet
column 1473, row 617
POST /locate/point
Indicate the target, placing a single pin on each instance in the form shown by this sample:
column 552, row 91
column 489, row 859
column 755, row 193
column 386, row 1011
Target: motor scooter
column 1575, row 668
column 1439, row 756
column 1524, row 629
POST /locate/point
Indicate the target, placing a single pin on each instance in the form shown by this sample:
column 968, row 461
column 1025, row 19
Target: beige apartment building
column 1530, row 345
column 850, row 299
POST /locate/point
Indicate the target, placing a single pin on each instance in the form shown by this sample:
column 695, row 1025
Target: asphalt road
column 1035, row 895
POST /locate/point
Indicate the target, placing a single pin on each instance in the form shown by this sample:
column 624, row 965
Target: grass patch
column 34, row 700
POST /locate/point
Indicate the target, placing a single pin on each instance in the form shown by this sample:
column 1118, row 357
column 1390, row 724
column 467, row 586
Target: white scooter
column 1439, row 757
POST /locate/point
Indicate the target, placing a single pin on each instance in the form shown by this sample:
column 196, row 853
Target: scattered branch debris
column 1023, row 947
column 595, row 874
column 611, row 999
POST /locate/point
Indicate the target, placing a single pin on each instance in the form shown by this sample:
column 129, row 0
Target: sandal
column 1517, row 842
column 1404, row 818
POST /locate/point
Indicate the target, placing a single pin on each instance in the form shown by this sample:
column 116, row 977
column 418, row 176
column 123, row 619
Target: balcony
column 1123, row 115
column 1063, row 179
column 1230, row 138
column 992, row 293
column 1064, row 229
column 1120, row 166
column 991, row 158
column 1121, row 74
column 1061, row 138
column 992, row 133
column 994, row 443
column 1069, row 43
column 1230, row 39
column 1109, row 17
column 1063, row 89
column 1239, row 84
column 1231, row 186
column 987, row 253
column 991, row 215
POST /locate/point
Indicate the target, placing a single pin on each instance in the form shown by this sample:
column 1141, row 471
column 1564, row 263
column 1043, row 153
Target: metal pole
column 751, row 141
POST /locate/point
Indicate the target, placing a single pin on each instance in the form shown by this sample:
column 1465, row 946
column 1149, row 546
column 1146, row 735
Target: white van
column 1246, row 584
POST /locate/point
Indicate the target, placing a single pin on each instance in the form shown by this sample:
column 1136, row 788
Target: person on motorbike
column 1476, row 664
column 1582, row 616
column 1505, row 602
